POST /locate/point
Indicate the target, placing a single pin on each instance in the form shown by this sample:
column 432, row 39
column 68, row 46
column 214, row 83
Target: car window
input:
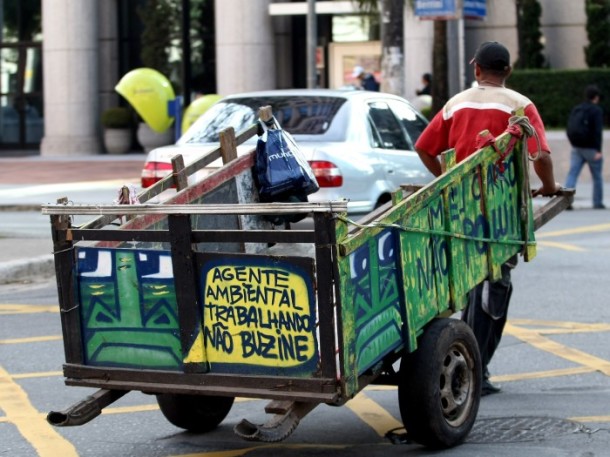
column 413, row 122
column 388, row 129
column 299, row 115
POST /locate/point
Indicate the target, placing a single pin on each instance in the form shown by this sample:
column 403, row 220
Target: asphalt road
column 553, row 365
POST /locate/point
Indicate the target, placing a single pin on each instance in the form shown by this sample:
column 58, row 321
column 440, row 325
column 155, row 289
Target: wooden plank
column 65, row 267
column 168, row 182
column 553, row 207
column 325, row 272
column 185, row 278
column 229, row 208
column 120, row 235
column 178, row 172
column 268, row 387
column 265, row 113
column 228, row 145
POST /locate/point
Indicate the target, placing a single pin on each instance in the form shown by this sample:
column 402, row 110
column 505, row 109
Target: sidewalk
column 28, row 182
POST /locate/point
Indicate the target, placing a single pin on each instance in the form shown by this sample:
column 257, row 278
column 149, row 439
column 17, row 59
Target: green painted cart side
column 443, row 240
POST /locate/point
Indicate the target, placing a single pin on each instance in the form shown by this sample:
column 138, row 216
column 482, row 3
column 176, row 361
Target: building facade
column 61, row 59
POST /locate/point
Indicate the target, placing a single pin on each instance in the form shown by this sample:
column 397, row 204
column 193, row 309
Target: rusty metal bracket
column 85, row 410
column 288, row 415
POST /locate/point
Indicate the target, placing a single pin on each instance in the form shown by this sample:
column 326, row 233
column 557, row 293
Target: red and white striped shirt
column 470, row 112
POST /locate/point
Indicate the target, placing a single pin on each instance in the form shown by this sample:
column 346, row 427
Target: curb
column 25, row 269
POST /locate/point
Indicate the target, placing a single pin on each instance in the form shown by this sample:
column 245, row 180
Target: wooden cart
column 199, row 301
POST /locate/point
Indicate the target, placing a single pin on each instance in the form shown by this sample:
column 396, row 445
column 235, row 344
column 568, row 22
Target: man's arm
column 431, row 163
column 543, row 167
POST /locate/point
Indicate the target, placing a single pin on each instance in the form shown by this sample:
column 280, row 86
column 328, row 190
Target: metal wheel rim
column 457, row 384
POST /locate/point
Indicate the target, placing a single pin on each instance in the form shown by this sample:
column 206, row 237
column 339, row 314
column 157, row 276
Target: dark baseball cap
column 493, row 56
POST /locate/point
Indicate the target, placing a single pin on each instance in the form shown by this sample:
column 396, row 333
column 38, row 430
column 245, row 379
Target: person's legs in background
column 577, row 161
column 598, row 181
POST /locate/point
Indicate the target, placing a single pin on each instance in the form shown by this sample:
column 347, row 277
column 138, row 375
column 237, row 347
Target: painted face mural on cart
column 374, row 291
column 128, row 308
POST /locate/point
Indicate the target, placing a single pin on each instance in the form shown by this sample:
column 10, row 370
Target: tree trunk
column 392, row 38
column 440, row 87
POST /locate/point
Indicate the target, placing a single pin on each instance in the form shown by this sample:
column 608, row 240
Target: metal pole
column 461, row 54
column 312, row 34
column 186, row 52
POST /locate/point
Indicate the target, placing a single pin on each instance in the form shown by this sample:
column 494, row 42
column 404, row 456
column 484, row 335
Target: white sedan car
column 359, row 144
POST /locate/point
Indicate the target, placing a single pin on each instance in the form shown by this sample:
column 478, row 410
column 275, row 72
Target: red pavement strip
column 53, row 171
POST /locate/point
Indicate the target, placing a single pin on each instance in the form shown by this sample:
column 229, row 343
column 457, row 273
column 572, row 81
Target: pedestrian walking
column 585, row 133
column 366, row 81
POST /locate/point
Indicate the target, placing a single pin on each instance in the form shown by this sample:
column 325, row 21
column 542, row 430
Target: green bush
column 116, row 118
column 555, row 92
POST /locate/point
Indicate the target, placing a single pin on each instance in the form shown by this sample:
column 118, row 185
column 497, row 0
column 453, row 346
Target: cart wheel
column 195, row 413
column 440, row 385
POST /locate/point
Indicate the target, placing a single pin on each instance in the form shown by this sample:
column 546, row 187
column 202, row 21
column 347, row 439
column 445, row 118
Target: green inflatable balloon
column 197, row 108
column 148, row 91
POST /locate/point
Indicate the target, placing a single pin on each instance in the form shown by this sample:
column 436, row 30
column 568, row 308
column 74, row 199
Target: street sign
column 450, row 9
column 475, row 9
column 436, row 9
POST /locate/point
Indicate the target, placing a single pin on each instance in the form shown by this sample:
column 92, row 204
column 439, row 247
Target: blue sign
column 435, row 8
column 447, row 9
column 475, row 8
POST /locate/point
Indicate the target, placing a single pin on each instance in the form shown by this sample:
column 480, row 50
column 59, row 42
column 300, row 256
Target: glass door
column 21, row 104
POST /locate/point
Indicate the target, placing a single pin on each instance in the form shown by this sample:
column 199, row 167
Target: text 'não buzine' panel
column 259, row 314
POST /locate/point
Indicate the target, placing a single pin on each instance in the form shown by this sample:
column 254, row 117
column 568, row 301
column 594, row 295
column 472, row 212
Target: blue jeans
column 579, row 157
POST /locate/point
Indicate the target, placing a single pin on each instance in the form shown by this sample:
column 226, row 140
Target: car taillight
column 154, row 172
column 327, row 174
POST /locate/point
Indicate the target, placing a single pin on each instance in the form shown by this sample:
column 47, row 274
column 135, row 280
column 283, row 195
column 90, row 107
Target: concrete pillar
column 419, row 37
column 245, row 55
column 70, row 57
column 108, row 58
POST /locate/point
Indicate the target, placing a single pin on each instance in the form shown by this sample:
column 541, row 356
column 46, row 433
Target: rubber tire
column 433, row 415
column 195, row 413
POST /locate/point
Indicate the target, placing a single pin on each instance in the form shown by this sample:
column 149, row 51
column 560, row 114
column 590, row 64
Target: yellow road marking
column 244, row 451
column 542, row 374
column 7, row 309
column 41, row 374
column 130, row 409
column 574, row 355
column 562, row 324
column 19, row 411
column 575, row 231
column 34, row 339
column 590, row 419
column 564, row 246
column 561, row 327
column 371, row 413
